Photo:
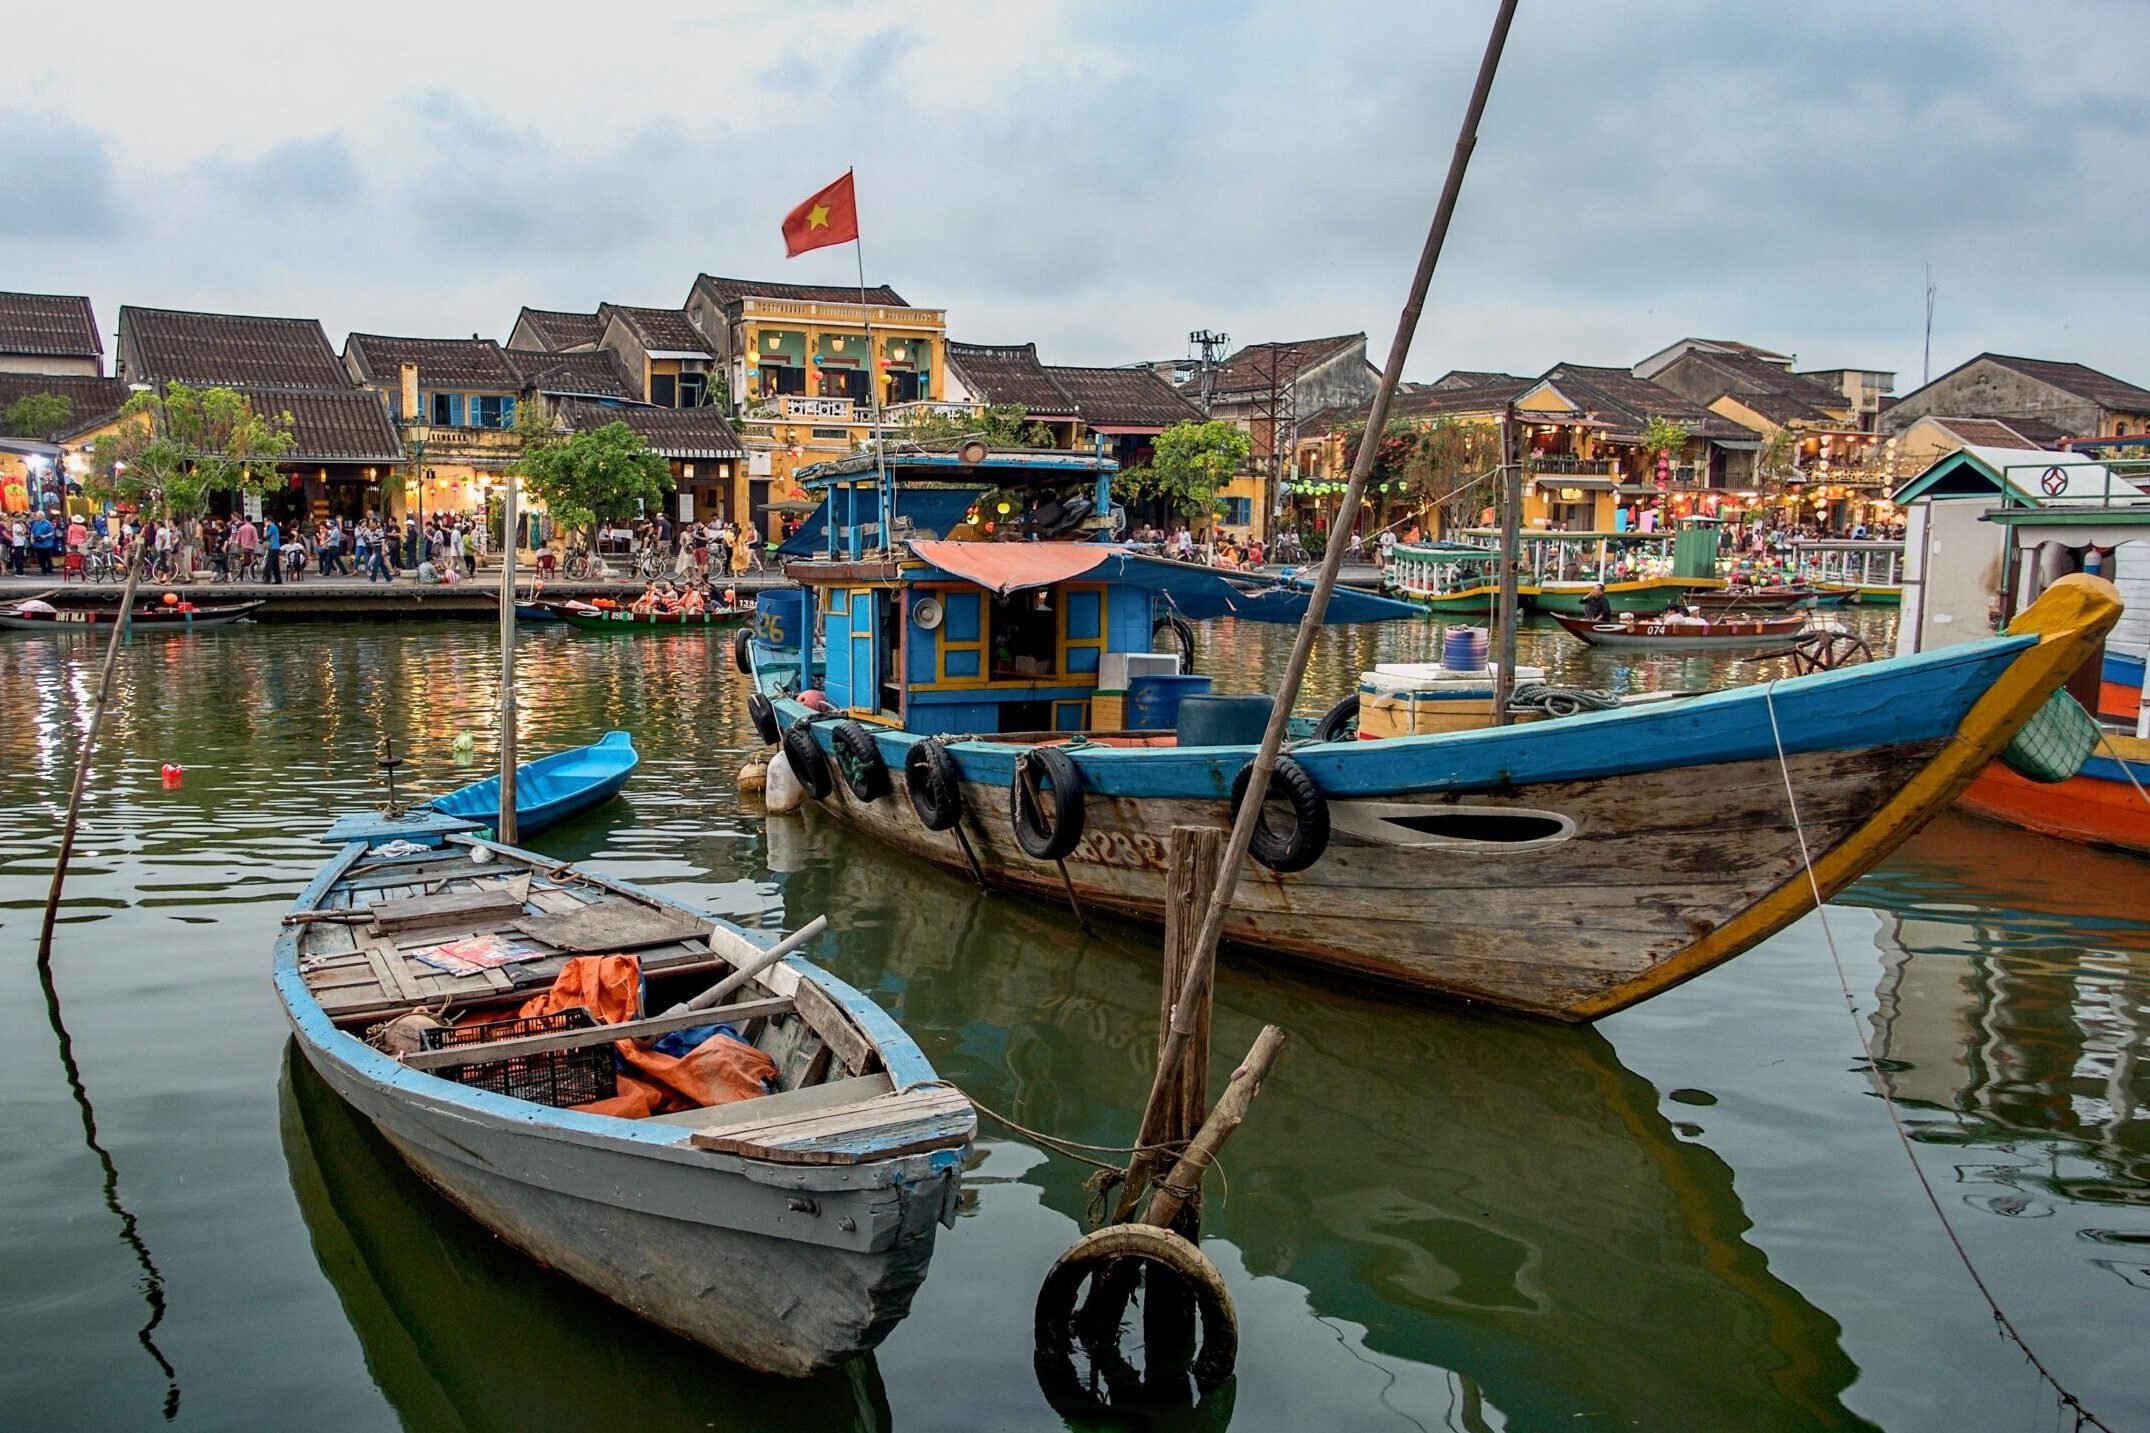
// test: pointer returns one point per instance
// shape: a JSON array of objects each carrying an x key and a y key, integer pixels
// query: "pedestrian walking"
[{"x": 272, "y": 550}]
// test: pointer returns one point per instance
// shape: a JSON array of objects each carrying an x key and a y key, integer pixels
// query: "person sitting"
[
  {"x": 646, "y": 604},
  {"x": 667, "y": 598},
  {"x": 1597, "y": 607},
  {"x": 692, "y": 604}
]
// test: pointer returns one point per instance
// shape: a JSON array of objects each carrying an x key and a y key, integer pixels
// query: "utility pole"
[{"x": 1926, "y": 364}]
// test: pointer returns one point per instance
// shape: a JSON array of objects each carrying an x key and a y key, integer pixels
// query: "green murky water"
[{"x": 1694, "y": 1216}]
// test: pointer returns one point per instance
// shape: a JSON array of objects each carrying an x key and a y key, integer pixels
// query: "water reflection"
[
  {"x": 461, "y": 1332},
  {"x": 2015, "y": 1001},
  {"x": 1495, "y": 1197}
]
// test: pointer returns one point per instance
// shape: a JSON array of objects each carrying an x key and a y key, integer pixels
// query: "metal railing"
[{"x": 798, "y": 405}]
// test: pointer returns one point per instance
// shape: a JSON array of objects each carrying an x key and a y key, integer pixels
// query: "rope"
[
  {"x": 1560, "y": 701},
  {"x": 2001, "y": 1320},
  {"x": 2105, "y": 739}
]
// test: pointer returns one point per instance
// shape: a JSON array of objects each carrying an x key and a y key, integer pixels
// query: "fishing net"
[{"x": 2053, "y": 745}]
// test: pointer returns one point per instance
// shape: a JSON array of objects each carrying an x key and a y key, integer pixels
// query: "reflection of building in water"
[{"x": 2020, "y": 1004}]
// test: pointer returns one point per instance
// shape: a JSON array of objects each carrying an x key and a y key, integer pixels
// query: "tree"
[
  {"x": 1001, "y": 425},
  {"x": 1447, "y": 465},
  {"x": 1188, "y": 464},
  {"x": 169, "y": 452},
  {"x": 1778, "y": 460},
  {"x": 1661, "y": 437},
  {"x": 43, "y": 416},
  {"x": 608, "y": 472}
]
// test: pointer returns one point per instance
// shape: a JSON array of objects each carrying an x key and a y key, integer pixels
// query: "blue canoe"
[{"x": 550, "y": 789}]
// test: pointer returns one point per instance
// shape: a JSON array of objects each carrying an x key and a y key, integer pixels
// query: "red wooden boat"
[
  {"x": 1687, "y": 635},
  {"x": 36, "y": 615},
  {"x": 1750, "y": 599}
]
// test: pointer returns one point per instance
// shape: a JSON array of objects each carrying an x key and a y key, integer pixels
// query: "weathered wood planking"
[
  {"x": 834, "y": 1026},
  {"x": 478, "y": 908},
  {"x": 914, "y": 1122}
]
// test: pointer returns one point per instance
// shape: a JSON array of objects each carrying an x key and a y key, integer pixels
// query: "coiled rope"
[
  {"x": 1560, "y": 701},
  {"x": 2083, "y": 1416}
]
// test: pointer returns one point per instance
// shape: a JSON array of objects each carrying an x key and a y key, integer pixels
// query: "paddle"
[{"x": 754, "y": 967}]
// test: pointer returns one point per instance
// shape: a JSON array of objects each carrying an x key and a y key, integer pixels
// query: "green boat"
[
  {"x": 1649, "y": 594},
  {"x": 625, "y": 621},
  {"x": 1447, "y": 577}
]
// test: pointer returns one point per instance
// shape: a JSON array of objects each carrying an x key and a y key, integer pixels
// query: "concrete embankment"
[{"x": 340, "y": 599}]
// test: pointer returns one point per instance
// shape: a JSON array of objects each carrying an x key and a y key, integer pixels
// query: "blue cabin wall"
[{"x": 836, "y": 643}]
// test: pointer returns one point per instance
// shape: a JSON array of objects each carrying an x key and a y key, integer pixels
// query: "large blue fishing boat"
[{"x": 971, "y": 670}]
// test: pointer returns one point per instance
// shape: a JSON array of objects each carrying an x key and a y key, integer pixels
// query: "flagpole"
[{"x": 873, "y": 382}]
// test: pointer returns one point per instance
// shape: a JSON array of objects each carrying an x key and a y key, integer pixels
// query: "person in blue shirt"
[
  {"x": 44, "y": 538},
  {"x": 272, "y": 545}
]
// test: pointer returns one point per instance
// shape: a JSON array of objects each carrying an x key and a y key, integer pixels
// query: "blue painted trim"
[
  {"x": 2108, "y": 768},
  {"x": 1907, "y": 699},
  {"x": 2122, "y": 669}
]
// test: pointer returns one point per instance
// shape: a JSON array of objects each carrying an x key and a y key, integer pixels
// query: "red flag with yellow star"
[{"x": 830, "y": 217}]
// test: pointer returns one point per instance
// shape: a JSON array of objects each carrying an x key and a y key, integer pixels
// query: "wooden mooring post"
[{"x": 1190, "y": 876}]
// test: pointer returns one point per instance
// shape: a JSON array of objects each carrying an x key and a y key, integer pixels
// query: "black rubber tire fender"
[
  {"x": 807, "y": 761},
  {"x": 1060, "y": 786},
  {"x": 1182, "y": 634},
  {"x": 762, "y": 712},
  {"x": 1055, "y": 1315},
  {"x": 858, "y": 761},
  {"x": 742, "y": 654},
  {"x": 1300, "y": 846},
  {"x": 936, "y": 788},
  {"x": 1340, "y": 722}
]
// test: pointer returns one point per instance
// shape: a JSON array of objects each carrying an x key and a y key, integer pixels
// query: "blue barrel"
[
  {"x": 1153, "y": 703},
  {"x": 1208, "y": 720},
  {"x": 1465, "y": 649},
  {"x": 780, "y": 617}
]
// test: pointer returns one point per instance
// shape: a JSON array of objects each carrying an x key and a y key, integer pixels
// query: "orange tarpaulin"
[
  {"x": 718, "y": 1071},
  {"x": 1006, "y": 567}
]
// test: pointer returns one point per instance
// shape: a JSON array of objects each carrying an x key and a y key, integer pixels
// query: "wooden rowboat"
[
  {"x": 34, "y": 616},
  {"x": 551, "y": 788},
  {"x": 1750, "y": 599},
  {"x": 1718, "y": 634},
  {"x": 625, "y": 621},
  {"x": 788, "y": 1232}
]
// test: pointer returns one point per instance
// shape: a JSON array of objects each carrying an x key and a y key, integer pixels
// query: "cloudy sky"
[{"x": 1104, "y": 177}]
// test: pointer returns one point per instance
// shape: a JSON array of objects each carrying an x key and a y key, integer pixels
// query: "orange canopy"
[{"x": 1006, "y": 567}]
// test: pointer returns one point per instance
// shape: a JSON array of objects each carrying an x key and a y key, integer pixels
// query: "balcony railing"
[
  {"x": 441, "y": 436},
  {"x": 1574, "y": 467},
  {"x": 813, "y": 311},
  {"x": 798, "y": 405},
  {"x": 897, "y": 413}
]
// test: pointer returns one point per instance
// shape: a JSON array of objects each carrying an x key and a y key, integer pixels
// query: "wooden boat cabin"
[{"x": 1001, "y": 606}]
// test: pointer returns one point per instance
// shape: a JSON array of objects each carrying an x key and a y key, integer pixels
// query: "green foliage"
[
  {"x": 1001, "y": 425},
  {"x": 1188, "y": 464},
  {"x": 1445, "y": 464},
  {"x": 608, "y": 472},
  {"x": 1778, "y": 454},
  {"x": 43, "y": 416},
  {"x": 1662, "y": 436},
  {"x": 169, "y": 451}
]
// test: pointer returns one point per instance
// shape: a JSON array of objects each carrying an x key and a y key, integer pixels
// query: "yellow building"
[{"x": 805, "y": 363}]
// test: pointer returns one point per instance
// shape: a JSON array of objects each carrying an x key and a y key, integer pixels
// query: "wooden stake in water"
[
  {"x": 505, "y": 827},
  {"x": 1511, "y": 541}
]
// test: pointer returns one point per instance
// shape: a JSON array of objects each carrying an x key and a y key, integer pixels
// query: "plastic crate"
[{"x": 559, "y": 1078}]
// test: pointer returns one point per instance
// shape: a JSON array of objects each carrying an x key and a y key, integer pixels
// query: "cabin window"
[
  {"x": 1026, "y": 635},
  {"x": 1484, "y": 824},
  {"x": 962, "y": 635}
]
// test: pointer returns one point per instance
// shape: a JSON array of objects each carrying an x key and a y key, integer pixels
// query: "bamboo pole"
[
  {"x": 89, "y": 747},
  {"x": 1177, "y": 1191},
  {"x": 1202, "y": 972},
  {"x": 505, "y": 828},
  {"x": 1511, "y": 540}
]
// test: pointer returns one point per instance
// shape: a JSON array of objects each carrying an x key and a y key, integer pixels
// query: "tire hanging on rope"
[
  {"x": 1299, "y": 845},
  {"x": 807, "y": 761},
  {"x": 742, "y": 650},
  {"x": 929, "y": 774},
  {"x": 1046, "y": 835},
  {"x": 1338, "y": 723},
  {"x": 858, "y": 759},
  {"x": 762, "y": 712}
]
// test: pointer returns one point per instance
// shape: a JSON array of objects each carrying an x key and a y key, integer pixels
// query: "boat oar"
[{"x": 716, "y": 993}]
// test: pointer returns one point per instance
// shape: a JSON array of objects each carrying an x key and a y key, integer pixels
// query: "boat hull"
[
  {"x": 152, "y": 619},
  {"x": 1565, "y": 869},
  {"x": 1567, "y": 598},
  {"x": 550, "y": 789},
  {"x": 674, "y": 622},
  {"x": 653, "y": 1236},
  {"x": 2098, "y": 806},
  {"x": 1722, "y": 634}
]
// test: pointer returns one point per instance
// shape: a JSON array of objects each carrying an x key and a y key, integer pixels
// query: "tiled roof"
[
  {"x": 1993, "y": 433},
  {"x": 94, "y": 399},
  {"x": 1259, "y": 366},
  {"x": 595, "y": 373},
  {"x": 2102, "y": 389},
  {"x": 1781, "y": 408},
  {"x": 658, "y": 330},
  {"x": 674, "y": 432},
  {"x": 1629, "y": 403},
  {"x": 1743, "y": 372},
  {"x": 331, "y": 426},
  {"x": 1123, "y": 397},
  {"x": 1010, "y": 373},
  {"x": 463, "y": 362},
  {"x": 1427, "y": 402},
  {"x": 729, "y": 291},
  {"x": 1460, "y": 378},
  {"x": 558, "y": 329},
  {"x": 49, "y": 326},
  {"x": 226, "y": 348}
]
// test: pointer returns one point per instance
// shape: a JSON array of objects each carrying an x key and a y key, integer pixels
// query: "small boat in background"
[
  {"x": 1751, "y": 599},
  {"x": 34, "y": 614},
  {"x": 551, "y": 788},
  {"x": 621, "y": 620},
  {"x": 1687, "y": 634},
  {"x": 771, "y": 1191}
]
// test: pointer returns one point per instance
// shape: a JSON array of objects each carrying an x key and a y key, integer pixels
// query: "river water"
[{"x": 1694, "y": 1215}]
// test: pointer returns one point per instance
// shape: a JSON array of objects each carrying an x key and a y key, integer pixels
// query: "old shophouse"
[
  {"x": 806, "y": 364},
  {"x": 2076, "y": 400},
  {"x": 1270, "y": 389},
  {"x": 708, "y": 462},
  {"x": 454, "y": 402},
  {"x": 49, "y": 344},
  {"x": 1116, "y": 411},
  {"x": 347, "y": 450}
]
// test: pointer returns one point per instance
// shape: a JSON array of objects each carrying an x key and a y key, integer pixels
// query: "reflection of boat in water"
[
  {"x": 461, "y": 1332},
  {"x": 2019, "y": 1006},
  {"x": 1487, "y": 1195}
]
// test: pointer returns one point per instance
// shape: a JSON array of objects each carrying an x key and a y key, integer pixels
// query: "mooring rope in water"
[{"x": 2083, "y": 1416}]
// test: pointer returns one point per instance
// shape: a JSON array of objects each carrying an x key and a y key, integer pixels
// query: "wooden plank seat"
[
  {"x": 783, "y": 1103},
  {"x": 916, "y": 1121}
]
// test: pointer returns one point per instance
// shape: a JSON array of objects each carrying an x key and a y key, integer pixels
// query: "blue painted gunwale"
[
  {"x": 2109, "y": 768},
  {"x": 2122, "y": 670},
  {"x": 543, "y": 797},
  {"x": 906, "y": 1064},
  {"x": 1908, "y": 699}
]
